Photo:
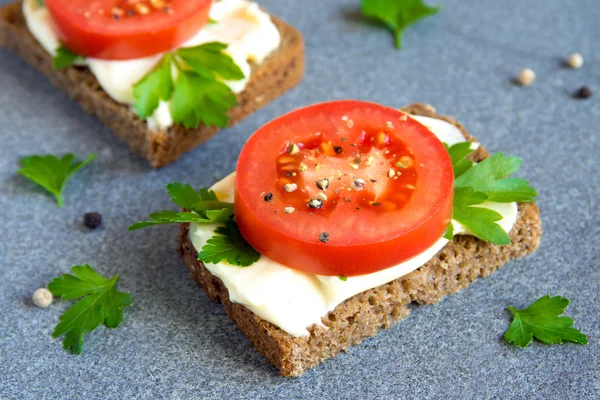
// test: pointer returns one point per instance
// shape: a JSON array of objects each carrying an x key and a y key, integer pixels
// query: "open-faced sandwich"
[
  {"x": 340, "y": 215},
  {"x": 163, "y": 75}
]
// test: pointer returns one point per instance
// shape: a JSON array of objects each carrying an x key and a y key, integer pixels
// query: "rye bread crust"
[
  {"x": 456, "y": 266},
  {"x": 281, "y": 71}
]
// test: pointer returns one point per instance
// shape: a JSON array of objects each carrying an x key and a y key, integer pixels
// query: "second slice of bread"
[
  {"x": 457, "y": 265},
  {"x": 280, "y": 71}
]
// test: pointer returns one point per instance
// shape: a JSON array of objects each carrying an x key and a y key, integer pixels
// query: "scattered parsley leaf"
[
  {"x": 64, "y": 58},
  {"x": 154, "y": 87},
  {"x": 204, "y": 208},
  {"x": 541, "y": 320},
  {"x": 52, "y": 173},
  {"x": 228, "y": 245},
  {"x": 197, "y": 99},
  {"x": 397, "y": 15},
  {"x": 198, "y": 95},
  {"x": 101, "y": 304},
  {"x": 474, "y": 184},
  {"x": 343, "y": 278}
]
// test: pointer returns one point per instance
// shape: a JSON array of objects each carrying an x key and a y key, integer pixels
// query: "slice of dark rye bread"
[
  {"x": 461, "y": 262},
  {"x": 280, "y": 71}
]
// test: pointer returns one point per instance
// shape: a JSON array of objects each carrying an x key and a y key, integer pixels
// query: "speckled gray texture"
[{"x": 175, "y": 343}]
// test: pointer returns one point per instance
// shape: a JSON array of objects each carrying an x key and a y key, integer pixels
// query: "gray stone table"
[{"x": 175, "y": 343}]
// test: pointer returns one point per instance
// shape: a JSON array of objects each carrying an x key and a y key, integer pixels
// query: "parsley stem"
[{"x": 208, "y": 205}]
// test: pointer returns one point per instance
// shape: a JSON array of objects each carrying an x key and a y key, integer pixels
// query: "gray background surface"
[{"x": 175, "y": 343}]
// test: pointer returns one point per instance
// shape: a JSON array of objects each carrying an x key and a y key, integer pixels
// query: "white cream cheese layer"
[
  {"x": 294, "y": 300},
  {"x": 242, "y": 25}
]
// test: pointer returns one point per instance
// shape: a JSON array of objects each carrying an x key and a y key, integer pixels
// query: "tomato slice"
[
  {"x": 343, "y": 188},
  {"x": 126, "y": 29}
]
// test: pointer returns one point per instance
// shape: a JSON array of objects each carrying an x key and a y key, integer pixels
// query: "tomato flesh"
[
  {"x": 126, "y": 29},
  {"x": 343, "y": 188}
]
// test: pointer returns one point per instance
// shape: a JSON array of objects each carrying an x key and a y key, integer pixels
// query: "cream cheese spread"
[
  {"x": 294, "y": 300},
  {"x": 247, "y": 30}
]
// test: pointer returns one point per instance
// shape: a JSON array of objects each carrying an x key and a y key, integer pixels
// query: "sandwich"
[
  {"x": 342, "y": 215},
  {"x": 162, "y": 75}
]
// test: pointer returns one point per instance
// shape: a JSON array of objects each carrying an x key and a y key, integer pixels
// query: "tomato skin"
[
  {"x": 361, "y": 240},
  {"x": 101, "y": 35}
]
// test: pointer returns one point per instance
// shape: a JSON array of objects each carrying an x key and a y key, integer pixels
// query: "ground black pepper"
[{"x": 268, "y": 197}]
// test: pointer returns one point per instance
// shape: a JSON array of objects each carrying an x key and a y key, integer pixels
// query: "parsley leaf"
[
  {"x": 101, "y": 304},
  {"x": 541, "y": 320},
  {"x": 474, "y": 184},
  {"x": 198, "y": 95},
  {"x": 204, "y": 208},
  {"x": 397, "y": 15},
  {"x": 174, "y": 217},
  {"x": 491, "y": 178},
  {"x": 458, "y": 154},
  {"x": 208, "y": 60},
  {"x": 64, "y": 58},
  {"x": 198, "y": 99},
  {"x": 228, "y": 245},
  {"x": 482, "y": 222},
  {"x": 154, "y": 87},
  {"x": 52, "y": 173}
]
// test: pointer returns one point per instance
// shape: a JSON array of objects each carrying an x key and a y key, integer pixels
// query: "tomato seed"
[{"x": 293, "y": 149}]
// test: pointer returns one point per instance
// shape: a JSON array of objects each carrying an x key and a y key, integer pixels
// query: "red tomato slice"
[
  {"x": 343, "y": 188},
  {"x": 126, "y": 29}
]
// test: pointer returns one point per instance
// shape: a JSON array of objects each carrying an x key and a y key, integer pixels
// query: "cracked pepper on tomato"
[
  {"x": 125, "y": 29},
  {"x": 343, "y": 188}
]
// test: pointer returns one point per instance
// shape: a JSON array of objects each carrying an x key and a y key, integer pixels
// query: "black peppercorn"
[
  {"x": 324, "y": 237},
  {"x": 584, "y": 93},
  {"x": 92, "y": 220}
]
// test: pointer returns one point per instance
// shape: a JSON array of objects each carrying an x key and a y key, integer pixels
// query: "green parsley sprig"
[
  {"x": 203, "y": 206},
  {"x": 227, "y": 244},
  {"x": 52, "y": 173},
  {"x": 65, "y": 57},
  {"x": 100, "y": 303},
  {"x": 198, "y": 94},
  {"x": 397, "y": 15},
  {"x": 542, "y": 320},
  {"x": 474, "y": 184}
]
